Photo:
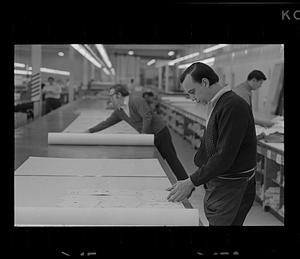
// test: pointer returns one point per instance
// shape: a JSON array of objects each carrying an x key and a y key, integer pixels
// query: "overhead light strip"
[
  {"x": 94, "y": 55},
  {"x": 22, "y": 72},
  {"x": 43, "y": 69},
  {"x": 86, "y": 54},
  {"x": 208, "y": 61},
  {"x": 152, "y": 61},
  {"x": 104, "y": 55},
  {"x": 218, "y": 46},
  {"x": 54, "y": 71},
  {"x": 19, "y": 65},
  {"x": 174, "y": 61}
]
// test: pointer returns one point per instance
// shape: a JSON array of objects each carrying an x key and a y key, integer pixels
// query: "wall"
[
  {"x": 234, "y": 70},
  {"x": 126, "y": 67}
]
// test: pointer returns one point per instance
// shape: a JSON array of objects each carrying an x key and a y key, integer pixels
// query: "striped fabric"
[{"x": 35, "y": 87}]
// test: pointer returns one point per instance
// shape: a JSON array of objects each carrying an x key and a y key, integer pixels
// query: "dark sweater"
[
  {"x": 229, "y": 142},
  {"x": 141, "y": 117}
]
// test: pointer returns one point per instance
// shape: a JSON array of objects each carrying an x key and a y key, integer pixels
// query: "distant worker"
[
  {"x": 52, "y": 95},
  {"x": 152, "y": 101},
  {"x": 254, "y": 81},
  {"x": 134, "y": 109}
]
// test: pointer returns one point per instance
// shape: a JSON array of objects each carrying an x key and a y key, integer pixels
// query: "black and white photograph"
[{"x": 186, "y": 137}]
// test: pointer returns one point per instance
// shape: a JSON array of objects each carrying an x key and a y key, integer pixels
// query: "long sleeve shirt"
[
  {"x": 229, "y": 142},
  {"x": 141, "y": 117},
  {"x": 244, "y": 91},
  {"x": 52, "y": 91}
]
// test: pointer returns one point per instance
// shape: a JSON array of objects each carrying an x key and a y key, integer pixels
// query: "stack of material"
[{"x": 68, "y": 191}]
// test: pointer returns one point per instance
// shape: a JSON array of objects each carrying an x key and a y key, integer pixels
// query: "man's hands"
[{"x": 180, "y": 190}]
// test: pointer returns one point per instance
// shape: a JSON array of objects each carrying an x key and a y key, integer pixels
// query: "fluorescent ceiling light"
[
  {"x": 208, "y": 61},
  {"x": 106, "y": 71},
  {"x": 171, "y": 53},
  {"x": 218, "y": 46},
  {"x": 94, "y": 55},
  {"x": 86, "y": 54},
  {"x": 19, "y": 65},
  {"x": 45, "y": 70},
  {"x": 61, "y": 54},
  {"x": 54, "y": 71},
  {"x": 22, "y": 72},
  {"x": 152, "y": 61},
  {"x": 113, "y": 71},
  {"x": 174, "y": 61},
  {"x": 104, "y": 55},
  {"x": 130, "y": 52}
]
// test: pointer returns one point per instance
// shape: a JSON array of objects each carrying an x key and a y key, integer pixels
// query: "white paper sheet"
[
  {"x": 100, "y": 139},
  {"x": 90, "y": 167},
  {"x": 55, "y": 191},
  {"x": 49, "y": 216}
]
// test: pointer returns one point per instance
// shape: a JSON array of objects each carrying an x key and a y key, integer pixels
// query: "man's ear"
[{"x": 205, "y": 82}]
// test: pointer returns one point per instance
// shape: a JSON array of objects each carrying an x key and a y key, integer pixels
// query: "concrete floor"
[{"x": 256, "y": 217}]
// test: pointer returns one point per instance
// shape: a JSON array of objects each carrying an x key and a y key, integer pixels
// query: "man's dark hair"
[
  {"x": 51, "y": 78},
  {"x": 122, "y": 89},
  {"x": 148, "y": 93},
  {"x": 258, "y": 75},
  {"x": 198, "y": 71}
]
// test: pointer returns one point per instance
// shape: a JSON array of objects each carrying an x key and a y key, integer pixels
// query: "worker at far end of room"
[
  {"x": 254, "y": 81},
  {"x": 52, "y": 95},
  {"x": 226, "y": 158},
  {"x": 152, "y": 101},
  {"x": 134, "y": 109}
]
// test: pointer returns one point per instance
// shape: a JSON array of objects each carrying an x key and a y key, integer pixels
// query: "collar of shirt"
[
  {"x": 126, "y": 100},
  {"x": 213, "y": 101},
  {"x": 125, "y": 106}
]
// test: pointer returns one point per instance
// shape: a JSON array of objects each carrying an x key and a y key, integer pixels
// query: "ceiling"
[{"x": 146, "y": 51}]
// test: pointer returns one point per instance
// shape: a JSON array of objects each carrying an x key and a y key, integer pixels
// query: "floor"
[{"x": 256, "y": 216}]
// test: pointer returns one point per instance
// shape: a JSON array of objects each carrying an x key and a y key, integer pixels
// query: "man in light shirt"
[
  {"x": 52, "y": 95},
  {"x": 253, "y": 82},
  {"x": 226, "y": 158}
]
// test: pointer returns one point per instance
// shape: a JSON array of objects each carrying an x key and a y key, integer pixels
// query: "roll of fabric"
[{"x": 100, "y": 139}]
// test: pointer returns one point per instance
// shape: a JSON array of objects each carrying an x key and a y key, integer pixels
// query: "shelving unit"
[{"x": 270, "y": 160}]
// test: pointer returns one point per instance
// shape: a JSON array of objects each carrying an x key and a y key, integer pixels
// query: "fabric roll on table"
[{"x": 100, "y": 139}]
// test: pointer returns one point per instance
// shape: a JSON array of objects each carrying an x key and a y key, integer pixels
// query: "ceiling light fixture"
[
  {"x": 19, "y": 65},
  {"x": 218, "y": 46},
  {"x": 86, "y": 54},
  {"x": 208, "y": 61},
  {"x": 130, "y": 52},
  {"x": 171, "y": 53},
  {"x": 22, "y": 72},
  {"x": 152, "y": 61},
  {"x": 174, "y": 61},
  {"x": 104, "y": 55}
]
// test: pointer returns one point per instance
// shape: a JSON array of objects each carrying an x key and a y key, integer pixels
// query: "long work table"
[{"x": 31, "y": 140}]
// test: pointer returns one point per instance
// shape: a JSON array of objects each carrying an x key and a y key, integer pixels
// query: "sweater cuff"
[{"x": 194, "y": 177}]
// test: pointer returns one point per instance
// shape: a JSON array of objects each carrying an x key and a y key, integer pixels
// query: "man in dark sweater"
[
  {"x": 226, "y": 159},
  {"x": 135, "y": 110}
]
